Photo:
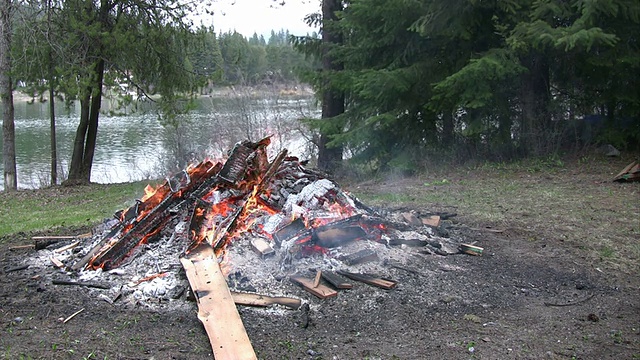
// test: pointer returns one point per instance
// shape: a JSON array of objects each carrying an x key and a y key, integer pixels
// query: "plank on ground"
[{"x": 216, "y": 308}]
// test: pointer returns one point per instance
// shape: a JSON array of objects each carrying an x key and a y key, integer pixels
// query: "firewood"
[
  {"x": 264, "y": 300},
  {"x": 360, "y": 257},
  {"x": 262, "y": 247},
  {"x": 321, "y": 291},
  {"x": 433, "y": 221},
  {"x": 16, "y": 268},
  {"x": 370, "y": 280},
  {"x": 82, "y": 283},
  {"x": 20, "y": 247},
  {"x": 408, "y": 242},
  {"x": 67, "y": 247},
  {"x": 56, "y": 262},
  {"x": 471, "y": 249},
  {"x": 216, "y": 308},
  {"x": 336, "y": 281}
]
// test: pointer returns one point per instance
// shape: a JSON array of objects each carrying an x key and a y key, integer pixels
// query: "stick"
[
  {"x": 82, "y": 283},
  {"x": 56, "y": 262},
  {"x": 16, "y": 268},
  {"x": 65, "y": 248},
  {"x": 72, "y": 316},
  {"x": 19, "y": 247},
  {"x": 148, "y": 278},
  {"x": 263, "y": 300}
]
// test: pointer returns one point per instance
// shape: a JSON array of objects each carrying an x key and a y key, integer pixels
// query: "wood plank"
[
  {"x": 321, "y": 291},
  {"x": 316, "y": 281},
  {"x": 360, "y": 257},
  {"x": 370, "y": 280},
  {"x": 471, "y": 249},
  {"x": 67, "y": 247},
  {"x": 433, "y": 221},
  {"x": 335, "y": 280},
  {"x": 264, "y": 300},
  {"x": 216, "y": 308}
]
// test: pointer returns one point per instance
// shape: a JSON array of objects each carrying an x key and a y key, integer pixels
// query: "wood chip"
[{"x": 56, "y": 262}]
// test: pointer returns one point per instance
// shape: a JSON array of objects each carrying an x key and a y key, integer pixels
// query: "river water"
[{"x": 136, "y": 145}]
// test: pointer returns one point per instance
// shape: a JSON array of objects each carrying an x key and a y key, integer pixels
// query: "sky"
[{"x": 262, "y": 16}]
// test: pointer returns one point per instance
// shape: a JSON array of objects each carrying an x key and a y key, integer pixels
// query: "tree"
[
  {"x": 330, "y": 157},
  {"x": 6, "y": 96},
  {"x": 137, "y": 42}
]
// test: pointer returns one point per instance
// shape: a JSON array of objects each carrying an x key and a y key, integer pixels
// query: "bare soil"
[{"x": 540, "y": 290}]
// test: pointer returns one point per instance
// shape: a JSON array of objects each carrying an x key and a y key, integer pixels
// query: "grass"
[
  {"x": 568, "y": 200},
  {"x": 57, "y": 207}
]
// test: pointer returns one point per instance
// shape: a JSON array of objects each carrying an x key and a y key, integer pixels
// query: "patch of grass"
[
  {"x": 36, "y": 210},
  {"x": 551, "y": 200}
]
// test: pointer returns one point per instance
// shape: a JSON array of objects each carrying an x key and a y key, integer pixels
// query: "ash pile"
[{"x": 276, "y": 227}]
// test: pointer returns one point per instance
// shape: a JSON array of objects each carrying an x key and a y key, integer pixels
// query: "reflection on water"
[{"x": 137, "y": 146}]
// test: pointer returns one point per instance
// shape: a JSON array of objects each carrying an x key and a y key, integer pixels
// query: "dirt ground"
[{"x": 523, "y": 299}]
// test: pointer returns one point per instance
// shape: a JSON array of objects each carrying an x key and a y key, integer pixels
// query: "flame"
[{"x": 148, "y": 192}]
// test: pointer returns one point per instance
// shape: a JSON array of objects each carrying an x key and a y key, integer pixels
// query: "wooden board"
[
  {"x": 371, "y": 280},
  {"x": 433, "y": 220},
  {"x": 263, "y": 300},
  {"x": 320, "y": 291},
  {"x": 216, "y": 308},
  {"x": 336, "y": 281}
]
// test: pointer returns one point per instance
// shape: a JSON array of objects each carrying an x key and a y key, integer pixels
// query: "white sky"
[{"x": 262, "y": 16}]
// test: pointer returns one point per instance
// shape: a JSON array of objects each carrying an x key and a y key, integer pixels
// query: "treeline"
[
  {"x": 229, "y": 58},
  {"x": 488, "y": 79}
]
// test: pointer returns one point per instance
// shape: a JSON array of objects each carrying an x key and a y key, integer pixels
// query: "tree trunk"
[
  {"x": 84, "y": 145},
  {"x": 6, "y": 95},
  {"x": 52, "y": 106},
  {"x": 75, "y": 168},
  {"x": 330, "y": 157},
  {"x": 534, "y": 92},
  {"x": 54, "y": 150},
  {"x": 92, "y": 130},
  {"x": 447, "y": 128}
]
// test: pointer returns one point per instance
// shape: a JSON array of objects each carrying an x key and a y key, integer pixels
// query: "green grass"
[
  {"x": 45, "y": 209},
  {"x": 572, "y": 201}
]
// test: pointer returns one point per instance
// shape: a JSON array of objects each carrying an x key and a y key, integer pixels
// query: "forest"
[
  {"x": 401, "y": 82},
  {"x": 493, "y": 80}
]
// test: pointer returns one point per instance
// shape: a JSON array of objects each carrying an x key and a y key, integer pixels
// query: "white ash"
[{"x": 246, "y": 270}]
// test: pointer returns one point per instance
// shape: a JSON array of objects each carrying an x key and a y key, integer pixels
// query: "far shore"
[{"x": 264, "y": 90}]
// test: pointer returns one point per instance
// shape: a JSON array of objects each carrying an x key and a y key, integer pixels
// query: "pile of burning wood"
[{"x": 279, "y": 209}]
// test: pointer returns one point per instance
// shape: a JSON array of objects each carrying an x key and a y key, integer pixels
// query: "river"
[{"x": 135, "y": 145}]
